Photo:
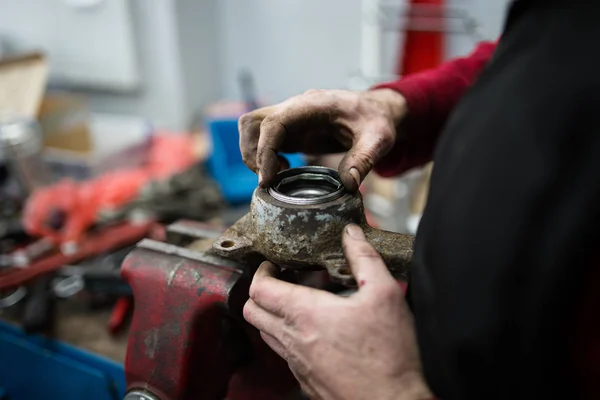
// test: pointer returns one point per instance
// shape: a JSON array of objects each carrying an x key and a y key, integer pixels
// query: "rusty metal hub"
[{"x": 297, "y": 223}]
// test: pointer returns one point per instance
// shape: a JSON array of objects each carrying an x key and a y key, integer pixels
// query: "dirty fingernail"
[
  {"x": 355, "y": 232},
  {"x": 268, "y": 268},
  {"x": 355, "y": 175}
]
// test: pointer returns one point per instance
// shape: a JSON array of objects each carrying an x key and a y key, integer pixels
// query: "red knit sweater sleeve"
[{"x": 431, "y": 96}]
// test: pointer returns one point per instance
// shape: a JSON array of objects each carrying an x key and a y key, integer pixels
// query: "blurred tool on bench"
[{"x": 56, "y": 233}]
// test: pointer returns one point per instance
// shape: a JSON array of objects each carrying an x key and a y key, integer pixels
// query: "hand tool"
[
  {"x": 12, "y": 296},
  {"x": 100, "y": 274},
  {"x": 94, "y": 243},
  {"x": 38, "y": 310}
]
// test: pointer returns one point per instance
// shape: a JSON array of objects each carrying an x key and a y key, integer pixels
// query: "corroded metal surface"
[
  {"x": 305, "y": 237},
  {"x": 188, "y": 339}
]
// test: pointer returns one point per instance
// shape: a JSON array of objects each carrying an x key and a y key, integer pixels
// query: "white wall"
[
  {"x": 289, "y": 45},
  {"x": 199, "y": 44},
  {"x": 87, "y": 45},
  {"x": 160, "y": 97},
  {"x": 490, "y": 15},
  {"x": 295, "y": 45},
  {"x": 191, "y": 51},
  {"x": 175, "y": 40},
  {"x": 178, "y": 49},
  {"x": 178, "y": 46}
]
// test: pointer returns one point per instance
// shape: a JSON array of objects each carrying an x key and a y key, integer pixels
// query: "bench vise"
[{"x": 188, "y": 339}]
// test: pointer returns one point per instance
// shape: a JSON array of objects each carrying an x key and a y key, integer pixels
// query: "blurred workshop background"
[{"x": 118, "y": 117}]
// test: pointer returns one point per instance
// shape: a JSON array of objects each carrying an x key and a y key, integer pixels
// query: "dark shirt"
[
  {"x": 505, "y": 283},
  {"x": 506, "y": 248}
]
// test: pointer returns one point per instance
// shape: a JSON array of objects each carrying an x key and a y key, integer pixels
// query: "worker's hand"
[
  {"x": 322, "y": 122},
  {"x": 352, "y": 348}
]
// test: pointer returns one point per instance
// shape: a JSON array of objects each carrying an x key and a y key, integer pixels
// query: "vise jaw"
[{"x": 188, "y": 339}]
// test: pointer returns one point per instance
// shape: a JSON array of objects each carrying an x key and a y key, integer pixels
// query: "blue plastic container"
[
  {"x": 225, "y": 164},
  {"x": 34, "y": 367}
]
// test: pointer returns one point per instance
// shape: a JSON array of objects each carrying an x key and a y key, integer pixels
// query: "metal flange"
[{"x": 298, "y": 222}]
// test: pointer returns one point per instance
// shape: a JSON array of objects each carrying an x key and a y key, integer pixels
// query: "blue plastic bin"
[
  {"x": 225, "y": 164},
  {"x": 34, "y": 367}
]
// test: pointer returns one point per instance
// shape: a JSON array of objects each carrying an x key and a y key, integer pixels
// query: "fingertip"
[
  {"x": 349, "y": 172},
  {"x": 244, "y": 121},
  {"x": 355, "y": 176},
  {"x": 349, "y": 182},
  {"x": 264, "y": 175},
  {"x": 268, "y": 167},
  {"x": 355, "y": 232},
  {"x": 267, "y": 268},
  {"x": 248, "y": 309},
  {"x": 363, "y": 259},
  {"x": 262, "y": 181}
]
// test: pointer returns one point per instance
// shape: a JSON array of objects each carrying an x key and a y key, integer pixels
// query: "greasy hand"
[
  {"x": 321, "y": 122},
  {"x": 347, "y": 348}
]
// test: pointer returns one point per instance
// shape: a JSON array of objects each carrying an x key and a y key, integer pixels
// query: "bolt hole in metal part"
[
  {"x": 227, "y": 244},
  {"x": 307, "y": 186}
]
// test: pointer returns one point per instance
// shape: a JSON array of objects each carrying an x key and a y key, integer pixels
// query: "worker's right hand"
[
  {"x": 357, "y": 347},
  {"x": 322, "y": 122}
]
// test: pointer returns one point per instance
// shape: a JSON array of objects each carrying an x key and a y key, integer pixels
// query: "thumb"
[
  {"x": 366, "y": 264},
  {"x": 368, "y": 148}
]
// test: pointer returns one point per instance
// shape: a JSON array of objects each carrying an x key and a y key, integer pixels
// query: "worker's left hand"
[{"x": 357, "y": 347}]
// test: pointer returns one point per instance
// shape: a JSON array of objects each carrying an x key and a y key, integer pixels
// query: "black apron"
[{"x": 513, "y": 213}]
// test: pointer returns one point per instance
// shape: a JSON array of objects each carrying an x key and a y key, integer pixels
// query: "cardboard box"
[
  {"x": 77, "y": 143},
  {"x": 65, "y": 119},
  {"x": 22, "y": 85},
  {"x": 81, "y": 148}
]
